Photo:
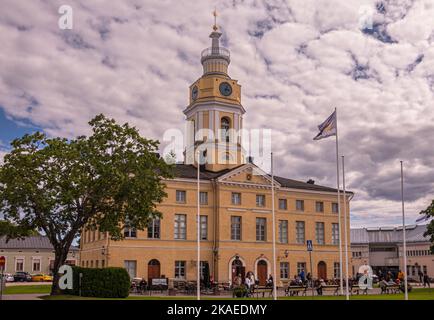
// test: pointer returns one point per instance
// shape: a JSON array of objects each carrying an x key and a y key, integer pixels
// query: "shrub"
[
  {"x": 239, "y": 291},
  {"x": 101, "y": 283}
]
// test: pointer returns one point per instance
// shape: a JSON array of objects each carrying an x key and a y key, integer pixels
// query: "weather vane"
[{"x": 215, "y": 19}]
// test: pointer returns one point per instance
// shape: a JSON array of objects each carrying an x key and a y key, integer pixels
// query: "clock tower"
[{"x": 215, "y": 113}]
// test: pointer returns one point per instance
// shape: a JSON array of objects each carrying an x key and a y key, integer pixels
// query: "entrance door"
[
  {"x": 322, "y": 270},
  {"x": 262, "y": 272},
  {"x": 153, "y": 270}
]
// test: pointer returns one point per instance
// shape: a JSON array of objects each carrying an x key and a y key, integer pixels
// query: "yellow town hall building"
[{"x": 235, "y": 205}]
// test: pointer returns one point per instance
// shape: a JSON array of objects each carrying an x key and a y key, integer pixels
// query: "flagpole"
[
  {"x": 339, "y": 205},
  {"x": 345, "y": 230},
  {"x": 198, "y": 228},
  {"x": 403, "y": 234},
  {"x": 274, "y": 231}
]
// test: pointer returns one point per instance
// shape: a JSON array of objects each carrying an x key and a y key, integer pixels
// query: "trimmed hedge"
[{"x": 101, "y": 283}]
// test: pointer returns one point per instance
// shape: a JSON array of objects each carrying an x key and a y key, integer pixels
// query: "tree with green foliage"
[
  {"x": 59, "y": 186},
  {"x": 11, "y": 231},
  {"x": 429, "y": 212}
]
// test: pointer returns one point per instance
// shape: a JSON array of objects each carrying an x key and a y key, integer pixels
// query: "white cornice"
[{"x": 214, "y": 106}]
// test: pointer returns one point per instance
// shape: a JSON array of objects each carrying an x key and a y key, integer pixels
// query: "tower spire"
[{"x": 215, "y": 27}]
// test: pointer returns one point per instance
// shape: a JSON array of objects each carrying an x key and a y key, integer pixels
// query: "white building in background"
[
  {"x": 381, "y": 248},
  {"x": 33, "y": 255}
]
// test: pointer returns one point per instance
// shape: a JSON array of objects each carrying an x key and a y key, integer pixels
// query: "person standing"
[
  {"x": 302, "y": 276},
  {"x": 426, "y": 280},
  {"x": 420, "y": 273}
]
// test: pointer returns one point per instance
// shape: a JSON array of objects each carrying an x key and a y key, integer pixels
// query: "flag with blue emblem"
[
  {"x": 327, "y": 128},
  {"x": 423, "y": 218}
]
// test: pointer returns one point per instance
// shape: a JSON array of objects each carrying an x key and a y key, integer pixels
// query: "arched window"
[{"x": 225, "y": 125}]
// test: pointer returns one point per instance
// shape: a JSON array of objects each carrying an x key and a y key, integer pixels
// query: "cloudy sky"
[{"x": 296, "y": 60}]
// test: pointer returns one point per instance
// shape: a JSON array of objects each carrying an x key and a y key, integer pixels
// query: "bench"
[
  {"x": 390, "y": 288},
  {"x": 332, "y": 288},
  {"x": 295, "y": 290},
  {"x": 257, "y": 290},
  {"x": 357, "y": 289}
]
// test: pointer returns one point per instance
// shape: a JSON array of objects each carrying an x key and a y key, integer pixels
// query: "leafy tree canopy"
[
  {"x": 429, "y": 212},
  {"x": 106, "y": 180}
]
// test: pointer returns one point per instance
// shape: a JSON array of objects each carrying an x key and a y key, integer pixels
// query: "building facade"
[
  {"x": 32, "y": 254},
  {"x": 382, "y": 248},
  {"x": 235, "y": 204}
]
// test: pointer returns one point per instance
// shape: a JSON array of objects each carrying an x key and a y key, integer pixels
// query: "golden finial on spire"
[{"x": 215, "y": 19}]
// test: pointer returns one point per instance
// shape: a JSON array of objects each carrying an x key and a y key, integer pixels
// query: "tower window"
[{"x": 225, "y": 125}]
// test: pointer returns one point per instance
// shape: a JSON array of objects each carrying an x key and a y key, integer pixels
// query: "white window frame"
[
  {"x": 16, "y": 262},
  {"x": 178, "y": 199},
  {"x": 33, "y": 264}
]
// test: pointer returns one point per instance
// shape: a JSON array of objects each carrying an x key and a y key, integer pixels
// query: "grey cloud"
[{"x": 295, "y": 60}]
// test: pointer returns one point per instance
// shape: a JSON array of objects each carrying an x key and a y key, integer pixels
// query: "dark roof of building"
[
  {"x": 33, "y": 242},
  {"x": 190, "y": 172},
  {"x": 413, "y": 233},
  {"x": 294, "y": 184}
]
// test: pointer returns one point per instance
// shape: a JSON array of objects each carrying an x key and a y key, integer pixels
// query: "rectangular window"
[
  {"x": 319, "y": 232},
  {"x": 203, "y": 227},
  {"x": 260, "y": 200},
  {"x": 91, "y": 263},
  {"x": 283, "y": 204},
  {"x": 319, "y": 206},
  {"x": 154, "y": 229},
  {"x": 299, "y": 231},
  {"x": 36, "y": 265},
  {"x": 96, "y": 263},
  {"x": 131, "y": 267},
  {"x": 335, "y": 233},
  {"x": 180, "y": 196},
  {"x": 130, "y": 232},
  {"x": 299, "y": 205},
  {"x": 336, "y": 270},
  {"x": 19, "y": 265},
  {"x": 102, "y": 263},
  {"x": 335, "y": 208},
  {"x": 235, "y": 228},
  {"x": 261, "y": 224},
  {"x": 180, "y": 269},
  {"x": 236, "y": 198},
  {"x": 301, "y": 266},
  {"x": 283, "y": 231},
  {"x": 203, "y": 198},
  {"x": 180, "y": 226},
  {"x": 284, "y": 270}
]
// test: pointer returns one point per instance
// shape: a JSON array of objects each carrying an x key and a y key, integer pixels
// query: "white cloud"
[{"x": 295, "y": 60}]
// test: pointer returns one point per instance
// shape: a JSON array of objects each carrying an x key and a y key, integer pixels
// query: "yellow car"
[{"x": 41, "y": 278}]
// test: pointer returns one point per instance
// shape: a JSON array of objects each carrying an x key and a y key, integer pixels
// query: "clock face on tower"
[
  {"x": 194, "y": 93},
  {"x": 225, "y": 89}
]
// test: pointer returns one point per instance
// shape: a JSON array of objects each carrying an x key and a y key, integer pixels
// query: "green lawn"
[
  {"x": 418, "y": 294},
  {"x": 40, "y": 288}
]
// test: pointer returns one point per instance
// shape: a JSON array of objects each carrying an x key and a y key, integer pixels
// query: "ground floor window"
[
  {"x": 284, "y": 270},
  {"x": 19, "y": 265},
  {"x": 337, "y": 270},
  {"x": 131, "y": 267},
  {"x": 36, "y": 265},
  {"x": 180, "y": 269},
  {"x": 301, "y": 266},
  {"x": 102, "y": 263}
]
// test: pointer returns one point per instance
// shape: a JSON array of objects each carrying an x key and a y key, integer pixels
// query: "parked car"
[
  {"x": 41, "y": 277},
  {"x": 22, "y": 276},
  {"x": 8, "y": 277}
]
